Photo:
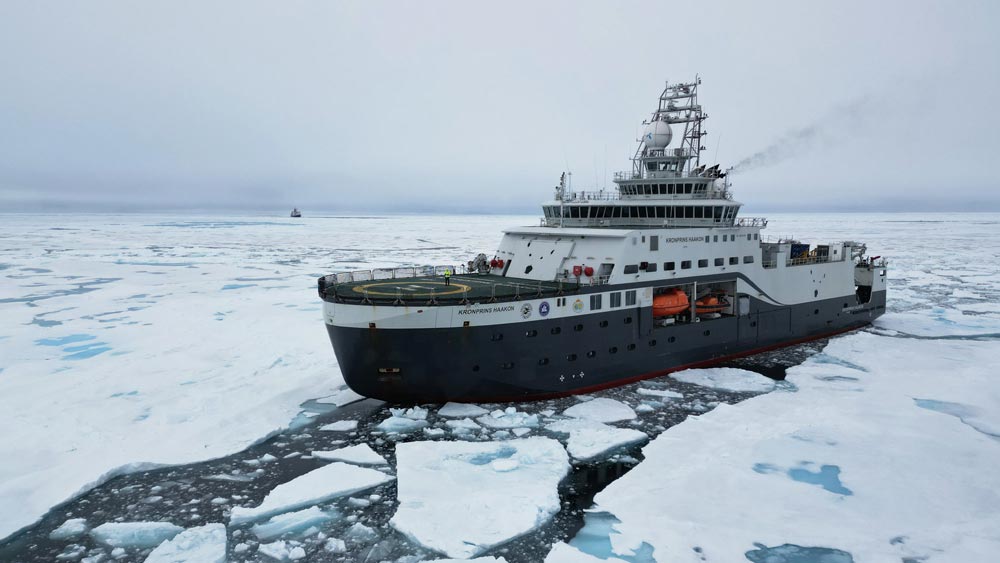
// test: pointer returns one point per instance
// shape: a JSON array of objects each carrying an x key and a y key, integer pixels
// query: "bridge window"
[
  {"x": 631, "y": 269},
  {"x": 748, "y": 259},
  {"x": 668, "y": 266}
]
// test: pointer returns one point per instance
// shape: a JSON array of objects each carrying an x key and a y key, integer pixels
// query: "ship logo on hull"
[
  {"x": 543, "y": 308},
  {"x": 578, "y": 306},
  {"x": 525, "y": 310}
]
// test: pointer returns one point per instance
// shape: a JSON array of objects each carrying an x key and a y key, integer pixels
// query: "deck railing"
[{"x": 391, "y": 273}]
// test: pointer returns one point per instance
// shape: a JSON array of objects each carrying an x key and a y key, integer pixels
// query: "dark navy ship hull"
[{"x": 547, "y": 358}]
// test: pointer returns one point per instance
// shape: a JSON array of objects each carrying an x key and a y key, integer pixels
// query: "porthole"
[
  {"x": 543, "y": 362},
  {"x": 531, "y": 333},
  {"x": 815, "y": 293},
  {"x": 613, "y": 350},
  {"x": 652, "y": 342},
  {"x": 707, "y": 332},
  {"x": 628, "y": 320},
  {"x": 528, "y": 269},
  {"x": 507, "y": 365},
  {"x": 604, "y": 324},
  {"x": 591, "y": 354},
  {"x": 497, "y": 336},
  {"x": 753, "y": 323},
  {"x": 672, "y": 339},
  {"x": 578, "y": 328},
  {"x": 555, "y": 330},
  {"x": 475, "y": 368},
  {"x": 815, "y": 311},
  {"x": 571, "y": 357},
  {"x": 630, "y": 347}
]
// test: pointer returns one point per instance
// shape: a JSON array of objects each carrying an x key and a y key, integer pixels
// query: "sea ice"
[
  {"x": 461, "y": 410},
  {"x": 453, "y": 500},
  {"x": 726, "y": 379},
  {"x": 589, "y": 439},
  {"x": 413, "y": 413},
  {"x": 851, "y": 449},
  {"x": 328, "y": 482},
  {"x": 340, "y": 398},
  {"x": 69, "y": 529},
  {"x": 564, "y": 553},
  {"x": 282, "y": 550},
  {"x": 462, "y": 425},
  {"x": 340, "y": 426},
  {"x": 476, "y": 560},
  {"x": 663, "y": 393},
  {"x": 508, "y": 418},
  {"x": 134, "y": 534},
  {"x": 291, "y": 522},
  {"x": 601, "y": 410},
  {"x": 359, "y": 454},
  {"x": 400, "y": 425},
  {"x": 204, "y": 544}
]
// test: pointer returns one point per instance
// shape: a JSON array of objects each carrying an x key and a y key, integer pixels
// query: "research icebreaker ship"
[{"x": 611, "y": 287}]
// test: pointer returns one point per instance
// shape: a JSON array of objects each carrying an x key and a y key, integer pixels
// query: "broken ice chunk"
[
  {"x": 601, "y": 410},
  {"x": 400, "y": 424},
  {"x": 204, "y": 544},
  {"x": 726, "y": 379},
  {"x": 509, "y": 418},
  {"x": 319, "y": 485},
  {"x": 589, "y": 439},
  {"x": 134, "y": 534},
  {"x": 359, "y": 454},
  {"x": 69, "y": 529},
  {"x": 340, "y": 426},
  {"x": 293, "y": 522},
  {"x": 665, "y": 393},
  {"x": 462, "y": 498},
  {"x": 461, "y": 410}
]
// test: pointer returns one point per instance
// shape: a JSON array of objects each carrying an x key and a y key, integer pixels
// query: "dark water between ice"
[{"x": 202, "y": 493}]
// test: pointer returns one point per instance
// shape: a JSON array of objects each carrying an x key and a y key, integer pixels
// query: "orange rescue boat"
[
  {"x": 710, "y": 304},
  {"x": 671, "y": 303}
]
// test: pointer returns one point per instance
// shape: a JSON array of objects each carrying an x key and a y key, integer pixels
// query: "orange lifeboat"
[
  {"x": 671, "y": 303},
  {"x": 710, "y": 304}
]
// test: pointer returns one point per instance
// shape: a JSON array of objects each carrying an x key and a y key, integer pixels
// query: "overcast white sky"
[{"x": 449, "y": 106}]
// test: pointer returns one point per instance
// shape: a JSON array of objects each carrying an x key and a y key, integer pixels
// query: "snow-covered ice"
[
  {"x": 662, "y": 393},
  {"x": 589, "y": 439},
  {"x": 858, "y": 463},
  {"x": 461, "y": 410},
  {"x": 359, "y": 454},
  {"x": 453, "y": 500},
  {"x": 343, "y": 397},
  {"x": 328, "y": 482},
  {"x": 204, "y": 544},
  {"x": 291, "y": 522},
  {"x": 340, "y": 426},
  {"x": 69, "y": 529},
  {"x": 134, "y": 534},
  {"x": 400, "y": 425},
  {"x": 726, "y": 379},
  {"x": 508, "y": 418},
  {"x": 564, "y": 553},
  {"x": 463, "y": 425},
  {"x": 601, "y": 409},
  {"x": 282, "y": 550}
]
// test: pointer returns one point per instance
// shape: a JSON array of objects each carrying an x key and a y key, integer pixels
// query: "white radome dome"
[{"x": 657, "y": 135}]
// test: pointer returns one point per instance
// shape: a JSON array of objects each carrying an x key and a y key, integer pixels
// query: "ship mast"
[{"x": 678, "y": 105}]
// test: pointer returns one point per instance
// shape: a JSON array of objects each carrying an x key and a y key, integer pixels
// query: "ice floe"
[
  {"x": 589, "y": 439},
  {"x": 328, "y": 482},
  {"x": 282, "y": 550},
  {"x": 662, "y": 393},
  {"x": 508, "y": 418},
  {"x": 726, "y": 379},
  {"x": 291, "y": 522},
  {"x": 400, "y": 425},
  {"x": 134, "y": 534},
  {"x": 204, "y": 544},
  {"x": 601, "y": 409},
  {"x": 860, "y": 461},
  {"x": 340, "y": 426},
  {"x": 454, "y": 500},
  {"x": 69, "y": 529},
  {"x": 359, "y": 454},
  {"x": 461, "y": 410},
  {"x": 564, "y": 553},
  {"x": 340, "y": 398}
]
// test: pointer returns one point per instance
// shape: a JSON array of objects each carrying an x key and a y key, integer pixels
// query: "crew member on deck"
[{"x": 447, "y": 276}]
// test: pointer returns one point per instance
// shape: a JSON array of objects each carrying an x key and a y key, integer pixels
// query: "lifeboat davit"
[
  {"x": 671, "y": 303},
  {"x": 710, "y": 304}
]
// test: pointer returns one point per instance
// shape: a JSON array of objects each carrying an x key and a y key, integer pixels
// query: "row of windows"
[
  {"x": 716, "y": 212},
  {"x": 663, "y": 189},
  {"x": 650, "y": 267},
  {"x": 593, "y": 353}
]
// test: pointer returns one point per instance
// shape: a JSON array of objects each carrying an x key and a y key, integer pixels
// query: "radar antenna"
[{"x": 678, "y": 105}]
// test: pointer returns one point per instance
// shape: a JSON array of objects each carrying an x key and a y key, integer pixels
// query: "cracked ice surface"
[
  {"x": 116, "y": 331},
  {"x": 854, "y": 459},
  {"x": 204, "y": 544},
  {"x": 461, "y": 498},
  {"x": 726, "y": 379},
  {"x": 328, "y": 482}
]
